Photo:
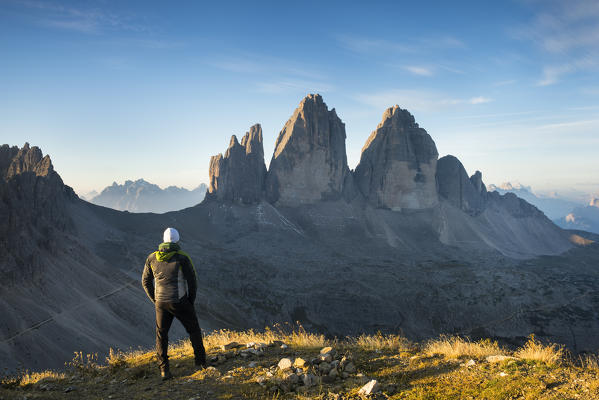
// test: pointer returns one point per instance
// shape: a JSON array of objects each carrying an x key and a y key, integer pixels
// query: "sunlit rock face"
[
  {"x": 468, "y": 194},
  {"x": 398, "y": 164},
  {"x": 239, "y": 175},
  {"x": 309, "y": 162}
]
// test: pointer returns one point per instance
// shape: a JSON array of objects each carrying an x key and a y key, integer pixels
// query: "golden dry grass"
[
  {"x": 534, "y": 350},
  {"x": 456, "y": 347},
  {"x": 382, "y": 342},
  {"x": 290, "y": 335},
  {"x": 589, "y": 361}
]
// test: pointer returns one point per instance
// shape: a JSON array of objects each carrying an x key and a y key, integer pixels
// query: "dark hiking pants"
[{"x": 184, "y": 312}]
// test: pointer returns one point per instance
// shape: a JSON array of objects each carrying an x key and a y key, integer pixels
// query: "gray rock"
[
  {"x": 324, "y": 367},
  {"x": 309, "y": 162},
  {"x": 285, "y": 363},
  {"x": 370, "y": 388},
  {"x": 309, "y": 380},
  {"x": 398, "y": 164},
  {"x": 239, "y": 175},
  {"x": 468, "y": 194}
]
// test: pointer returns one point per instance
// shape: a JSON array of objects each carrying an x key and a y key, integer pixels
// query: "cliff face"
[
  {"x": 239, "y": 175},
  {"x": 309, "y": 162},
  {"x": 32, "y": 207},
  {"x": 468, "y": 194},
  {"x": 398, "y": 164}
]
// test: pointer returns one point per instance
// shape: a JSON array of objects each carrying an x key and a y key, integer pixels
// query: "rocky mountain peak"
[
  {"x": 239, "y": 175},
  {"x": 15, "y": 161},
  {"x": 594, "y": 202},
  {"x": 468, "y": 194},
  {"x": 309, "y": 162},
  {"x": 398, "y": 164}
]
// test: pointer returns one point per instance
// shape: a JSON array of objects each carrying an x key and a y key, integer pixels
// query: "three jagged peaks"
[{"x": 396, "y": 170}]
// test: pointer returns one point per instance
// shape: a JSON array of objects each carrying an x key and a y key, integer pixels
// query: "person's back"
[{"x": 170, "y": 282}]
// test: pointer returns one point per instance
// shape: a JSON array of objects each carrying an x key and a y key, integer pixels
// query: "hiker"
[{"x": 169, "y": 280}]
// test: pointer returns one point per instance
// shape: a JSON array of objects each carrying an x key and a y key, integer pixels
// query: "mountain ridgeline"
[
  {"x": 405, "y": 242},
  {"x": 399, "y": 170},
  {"x": 142, "y": 196}
]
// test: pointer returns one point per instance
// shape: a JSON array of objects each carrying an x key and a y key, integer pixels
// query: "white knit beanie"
[{"x": 170, "y": 235}]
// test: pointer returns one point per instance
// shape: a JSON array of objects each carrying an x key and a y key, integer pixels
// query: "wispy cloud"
[
  {"x": 369, "y": 45},
  {"x": 416, "y": 100},
  {"x": 480, "y": 100},
  {"x": 419, "y": 70},
  {"x": 564, "y": 30},
  {"x": 79, "y": 19}
]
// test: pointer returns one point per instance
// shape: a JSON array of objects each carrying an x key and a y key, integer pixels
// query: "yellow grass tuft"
[
  {"x": 589, "y": 361},
  {"x": 534, "y": 350},
  {"x": 456, "y": 347},
  {"x": 290, "y": 335},
  {"x": 382, "y": 342}
]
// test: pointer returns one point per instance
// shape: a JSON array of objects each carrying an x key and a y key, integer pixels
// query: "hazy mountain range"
[
  {"x": 583, "y": 217},
  {"x": 405, "y": 242},
  {"x": 142, "y": 196},
  {"x": 554, "y": 207}
]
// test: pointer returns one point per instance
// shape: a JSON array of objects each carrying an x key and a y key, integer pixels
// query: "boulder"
[
  {"x": 239, "y": 175},
  {"x": 398, "y": 164},
  {"x": 309, "y": 162}
]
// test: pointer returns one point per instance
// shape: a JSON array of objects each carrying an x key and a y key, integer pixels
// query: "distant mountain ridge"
[
  {"x": 553, "y": 207},
  {"x": 585, "y": 218},
  {"x": 143, "y": 196}
]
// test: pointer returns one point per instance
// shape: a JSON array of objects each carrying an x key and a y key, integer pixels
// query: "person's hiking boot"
[{"x": 165, "y": 374}]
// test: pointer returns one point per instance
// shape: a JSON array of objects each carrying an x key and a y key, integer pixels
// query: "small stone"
[
  {"x": 502, "y": 374},
  {"x": 369, "y": 388},
  {"x": 326, "y": 357},
  {"x": 253, "y": 364},
  {"x": 309, "y": 380},
  {"x": 362, "y": 378},
  {"x": 350, "y": 368},
  {"x": 333, "y": 373},
  {"x": 70, "y": 389},
  {"x": 498, "y": 358},
  {"x": 299, "y": 363},
  {"x": 285, "y": 363},
  {"x": 326, "y": 350},
  {"x": 344, "y": 375},
  {"x": 470, "y": 363},
  {"x": 284, "y": 346},
  {"x": 229, "y": 346},
  {"x": 291, "y": 378},
  {"x": 324, "y": 367},
  {"x": 261, "y": 380}
]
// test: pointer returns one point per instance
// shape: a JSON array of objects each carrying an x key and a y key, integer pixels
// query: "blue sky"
[{"x": 117, "y": 90}]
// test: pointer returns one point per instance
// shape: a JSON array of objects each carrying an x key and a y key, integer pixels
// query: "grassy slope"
[{"x": 440, "y": 369}]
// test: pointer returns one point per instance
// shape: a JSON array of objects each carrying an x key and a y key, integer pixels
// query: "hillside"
[
  {"x": 553, "y": 207},
  {"x": 301, "y": 365}
]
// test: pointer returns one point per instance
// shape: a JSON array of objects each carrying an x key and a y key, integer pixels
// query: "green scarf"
[{"x": 167, "y": 250}]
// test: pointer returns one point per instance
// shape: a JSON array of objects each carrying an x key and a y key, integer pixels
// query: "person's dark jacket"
[{"x": 169, "y": 275}]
